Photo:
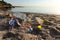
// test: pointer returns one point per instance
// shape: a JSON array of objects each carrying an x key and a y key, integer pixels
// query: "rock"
[
  {"x": 25, "y": 36},
  {"x": 10, "y": 36},
  {"x": 5, "y": 13},
  {"x": 4, "y": 21}
]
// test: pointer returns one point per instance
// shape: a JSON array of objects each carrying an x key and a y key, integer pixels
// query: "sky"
[
  {"x": 34, "y": 2},
  {"x": 51, "y": 4}
]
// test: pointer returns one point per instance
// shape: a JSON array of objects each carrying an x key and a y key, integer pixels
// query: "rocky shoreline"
[
  {"x": 5, "y": 6},
  {"x": 51, "y": 26}
]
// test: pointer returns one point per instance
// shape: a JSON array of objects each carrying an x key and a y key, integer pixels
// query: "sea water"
[
  {"x": 33, "y": 9},
  {"x": 44, "y": 10}
]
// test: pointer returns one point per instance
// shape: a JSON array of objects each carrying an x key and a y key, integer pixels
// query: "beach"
[
  {"x": 29, "y": 20},
  {"x": 51, "y": 25}
]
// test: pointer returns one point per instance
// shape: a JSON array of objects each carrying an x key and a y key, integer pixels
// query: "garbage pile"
[{"x": 49, "y": 28}]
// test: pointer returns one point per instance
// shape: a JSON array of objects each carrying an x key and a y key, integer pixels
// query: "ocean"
[
  {"x": 32, "y": 9},
  {"x": 43, "y": 10}
]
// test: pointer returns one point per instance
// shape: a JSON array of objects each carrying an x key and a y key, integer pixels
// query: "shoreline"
[{"x": 39, "y": 13}]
